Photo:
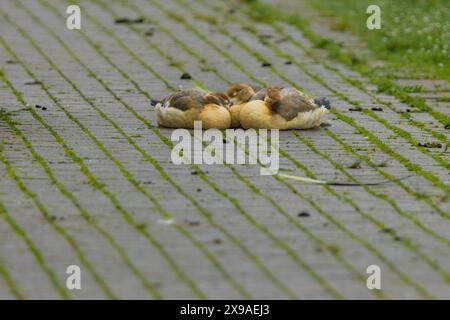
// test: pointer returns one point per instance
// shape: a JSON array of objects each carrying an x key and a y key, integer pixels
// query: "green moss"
[
  {"x": 443, "y": 99},
  {"x": 4, "y": 115},
  {"x": 208, "y": 19},
  {"x": 142, "y": 226},
  {"x": 383, "y": 164},
  {"x": 334, "y": 248},
  {"x": 355, "y": 165},
  {"x": 339, "y": 24}
]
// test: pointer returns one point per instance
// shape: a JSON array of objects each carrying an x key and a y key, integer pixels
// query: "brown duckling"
[
  {"x": 240, "y": 94},
  {"x": 182, "y": 108},
  {"x": 283, "y": 109}
]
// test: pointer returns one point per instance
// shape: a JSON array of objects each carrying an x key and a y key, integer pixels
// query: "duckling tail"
[{"x": 323, "y": 102}]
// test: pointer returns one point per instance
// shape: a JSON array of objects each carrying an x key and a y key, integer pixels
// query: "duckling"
[
  {"x": 283, "y": 109},
  {"x": 182, "y": 108},
  {"x": 240, "y": 94}
]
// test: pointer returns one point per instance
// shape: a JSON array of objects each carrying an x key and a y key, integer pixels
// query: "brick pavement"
[{"x": 89, "y": 181}]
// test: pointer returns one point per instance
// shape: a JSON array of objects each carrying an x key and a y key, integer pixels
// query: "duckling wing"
[
  {"x": 186, "y": 102},
  {"x": 185, "y": 99},
  {"x": 194, "y": 93},
  {"x": 290, "y": 106}
]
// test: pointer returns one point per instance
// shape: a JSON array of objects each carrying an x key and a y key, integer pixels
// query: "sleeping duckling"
[
  {"x": 181, "y": 109},
  {"x": 283, "y": 109},
  {"x": 240, "y": 94}
]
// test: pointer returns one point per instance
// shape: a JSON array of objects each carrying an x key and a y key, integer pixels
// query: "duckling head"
[
  {"x": 273, "y": 96},
  {"x": 240, "y": 93},
  {"x": 218, "y": 98}
]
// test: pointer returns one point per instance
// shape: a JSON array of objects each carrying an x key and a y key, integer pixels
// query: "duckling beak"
[{"x": 323, "y": 102}]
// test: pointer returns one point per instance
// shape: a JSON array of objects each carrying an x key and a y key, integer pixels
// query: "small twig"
[{"x": 335, "y": 183}]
